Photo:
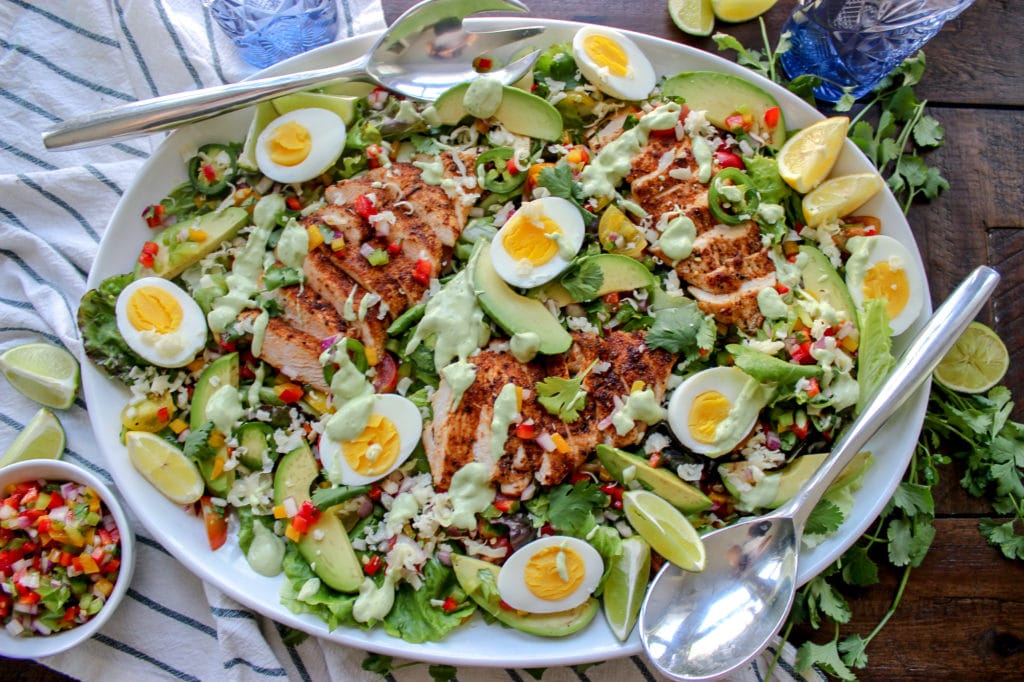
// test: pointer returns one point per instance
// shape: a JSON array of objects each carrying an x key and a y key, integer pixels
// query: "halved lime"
[
  {"x": 45, "y": 373},
  {"x": 165, "y": 466},
  {"x": 42, "y": 438},
  {"x": 626, "y": 585},
  {"x": 665, "y": 528},
  {"x": 692, "y": 16},
  {"x": 976, "y": 362}
]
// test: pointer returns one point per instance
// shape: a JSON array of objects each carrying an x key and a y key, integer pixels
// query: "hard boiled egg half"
[
  {"x": 300, "y": 145},
  {"x": 880, "y": 267},
  {"x": 538, "y": 242},
  {"x": 554, "y": 573},
  {"x": 387, "y": 440},
  {"x": 613, "y": 63},
  {"x": 160, "y": 322},
  {"x": 714, "y": 410}
]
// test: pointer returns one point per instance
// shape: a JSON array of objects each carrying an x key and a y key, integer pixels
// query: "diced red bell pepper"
[
  {"x": 801, "y": 425},
  {"x": 365, "y": 207},
  {"x": 154, "y": 215},
  {"x": 655, "y": 459},
  {"x": 578, "y": 476},
  {"x": 483, "y": 64},
  {"x": 394, "y": 248},
  {"x": 513, "y": 169},
  {"x": 737, "y": 121},
  {"x": 611, "y": 299},
  {"x": 526, "y": 431},
  {"x": 289, "y": 392},
  {"x": 424, "y": 269},
  {"x": 813, "y": 388},
  {"x": 375, "y": 492},
  {"x": 505, "y": 505},
  {"x": 374, "y": 564},
  {"x": 771, "y": 117},
  {"x": 781, "y": 288},
  {"x": 801, "y": 355},
  {"x": 293, "y": 203}
]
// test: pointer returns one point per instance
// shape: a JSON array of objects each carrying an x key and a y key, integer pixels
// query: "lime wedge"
[
  {"x": 975, "y": 363},
  {"x": 665, "y": 528},
  {"x": 838, "y": 197},
  {"x": 808, "y": 156},
  {"x": 165, "y": 466},
  {"x": 626, "y": 585},
  {"x": 45, "y": 373},
  {"x": 694, "y": 17},
  {"x": 740, "y": 10},
  {"x": 42, "y": 438}
]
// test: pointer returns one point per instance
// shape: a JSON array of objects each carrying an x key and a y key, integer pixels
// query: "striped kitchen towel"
[{"x": 64, "y": 58}]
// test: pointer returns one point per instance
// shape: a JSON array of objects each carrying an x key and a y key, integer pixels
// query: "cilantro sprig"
[{"x": 564, "y": 398}]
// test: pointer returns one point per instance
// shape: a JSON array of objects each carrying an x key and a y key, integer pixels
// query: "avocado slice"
[
  {"x": 326, "y": 544},
  {"x": 344, "y": 107},
  {"x": 221, "y": 372},
  {"x": 821, "y": 280},
  {"x": 721, "y": 95},
  {"x": 255, "y": 437},
  {"x": 620, "y": 273},
  {"x": 174, "y": 255},
  {"x": 680, "y": 494},
  {"x": 515, "y": 313},
  {"x": 521, "y": 112},
  {"x": 779, "y": 487},
  {"x": 559, "y": 624}
]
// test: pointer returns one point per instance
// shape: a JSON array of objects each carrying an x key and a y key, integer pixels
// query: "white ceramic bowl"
[{"x": 56, "y": 470}]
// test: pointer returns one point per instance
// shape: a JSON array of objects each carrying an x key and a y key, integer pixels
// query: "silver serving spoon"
[
  {"x": 426, "y": 51},
  {"x": 701, "y": 626}
]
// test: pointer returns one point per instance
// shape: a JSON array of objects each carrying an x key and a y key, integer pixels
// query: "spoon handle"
[
  {"x": 923, "y": 354},
  {"x": 171, "y": 111}
]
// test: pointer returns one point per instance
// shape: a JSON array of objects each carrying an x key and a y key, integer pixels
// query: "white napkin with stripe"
[{"x": 61, "y": 59}]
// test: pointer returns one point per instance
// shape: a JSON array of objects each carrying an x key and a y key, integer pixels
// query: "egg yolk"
[
  {"x": 528, "y": 238},
  {"x": 709, "y": 409},
  {"x": 607, "y": 54},
  {"x": 375, "y": 450},
  {"x": 554, "y": 573},
  {"x": 154, "y": 309},
  {"x": 290, "y": 144},
  {"x": 883, "y": 281}
]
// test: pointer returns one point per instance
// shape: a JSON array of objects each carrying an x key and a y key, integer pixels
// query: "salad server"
[
  {"x": 701, "y": 626},
  {"x": 424, "y": 52}
]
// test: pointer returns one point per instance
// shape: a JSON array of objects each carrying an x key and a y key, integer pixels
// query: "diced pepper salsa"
[{"x": 60, "y": 555}]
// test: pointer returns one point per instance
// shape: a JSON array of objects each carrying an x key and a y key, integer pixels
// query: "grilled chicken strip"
[
  {"x": 462, "y": 435},
  {"x": 295, "y": 353},
  {"x": 728, "y": 265}
]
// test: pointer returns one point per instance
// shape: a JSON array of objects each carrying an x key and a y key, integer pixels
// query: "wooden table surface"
[{"x": 962, "y": 615}]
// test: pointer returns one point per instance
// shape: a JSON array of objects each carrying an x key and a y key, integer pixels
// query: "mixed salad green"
[{"x": 806, "y": 363}]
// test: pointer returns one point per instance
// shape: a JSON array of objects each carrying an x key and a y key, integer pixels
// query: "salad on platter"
[{"x": 413, "y": 357}]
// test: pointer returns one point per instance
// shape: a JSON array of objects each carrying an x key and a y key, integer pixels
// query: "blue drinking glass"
[
  {"x": 853, "y": 44},
  {"x": 267, "y": 31}
]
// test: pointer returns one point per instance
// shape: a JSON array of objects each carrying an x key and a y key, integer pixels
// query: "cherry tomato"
[{"x": 387, "y": 374}]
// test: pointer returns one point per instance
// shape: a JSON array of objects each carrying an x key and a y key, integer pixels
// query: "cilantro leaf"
[
  {"x": 909, "y": 540},
  {"x": 825, "y": 518},
  {"x": 559, "y": 182},
  {"x": 854, "y": 651},
  {"x": 683, "y": 329},
  {"x": 570, "y": 507},
  {"x": 583, "y": 280},
  {"x": 564, "y": 398},
  {"x": 825, "y": 656},
  {"x": 197, "y": 445},
  {"x": 914, "y": 499},
  {"x": 859, "y": 569},
  {"x": 1003, "y": 536}
]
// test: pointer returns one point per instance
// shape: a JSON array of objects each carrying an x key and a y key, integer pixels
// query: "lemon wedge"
[
  {"x": 840, "y": 196},
  {"x": 740, "y": 10},
  {"x": 808, "y": 156},
  {"x": 165, "y": 466}
]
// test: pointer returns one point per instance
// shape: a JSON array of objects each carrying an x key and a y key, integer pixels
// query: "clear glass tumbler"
[
  {"x": 853, "y": 44},
  {"x": 267, "y": 31}
]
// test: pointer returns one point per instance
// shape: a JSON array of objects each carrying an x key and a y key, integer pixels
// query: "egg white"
[
  {"x": 730, "y": 382},
  {"x": 327, "y": 131},
  {"x": 522, "y": 273},
  {"x": 640, "y": 77},
  {"x": 512, "y": 583},
  {"x": 173, "y": 349},
  {"x": 409, "y": 424},
  {"x": 868, "y": 252}
]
